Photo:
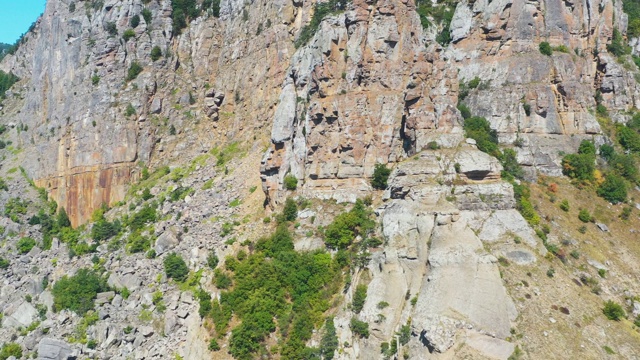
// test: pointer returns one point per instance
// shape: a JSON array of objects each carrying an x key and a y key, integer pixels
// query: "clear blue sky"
[{"x": 16, "y": 16}]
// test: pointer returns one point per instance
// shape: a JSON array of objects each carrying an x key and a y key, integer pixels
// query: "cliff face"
[
  {"x": 75, "y": 93},
  {"x": 372, "y": 85}
]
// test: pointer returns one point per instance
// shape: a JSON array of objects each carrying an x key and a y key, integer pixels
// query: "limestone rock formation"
[{"x": 238, "y": 99}]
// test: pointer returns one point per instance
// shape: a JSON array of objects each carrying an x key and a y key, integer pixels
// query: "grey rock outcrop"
[{"x": 52, "y": 349}]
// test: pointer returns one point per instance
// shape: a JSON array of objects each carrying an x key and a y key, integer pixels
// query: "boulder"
[
  {"x": 52, "y": 349},
  {"x": 165, "y": 242}
]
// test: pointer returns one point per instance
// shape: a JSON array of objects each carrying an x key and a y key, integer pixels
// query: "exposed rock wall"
[
  {"x": 74, "y": 96},
  {"x": 365, "y": 90}
]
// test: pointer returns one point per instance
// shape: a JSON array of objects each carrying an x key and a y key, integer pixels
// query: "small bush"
[
  {"x": 156, "y": 53},
  {"x": 613, "y": 311},
  {"x": 146, "y": 15},
  {"x": 380, "y": 176},
  {"x": 545, "y": 48},
  {"x": 432, "y": 145},
  {"x": 4, "y": 263},
  {"x": 25, "y": 245},
  {"x": 474, "y": 83},
  {"x": 128, "y": 34},
  {"x": 290, "y": 182},
  {"x": 111, "y": 28},
  {"x": 134, "y": 70},
  {"x": 359, "y": 298},
  {"x": 212, "y": 259},
  {"x": 584, "y": 215},
  {"x": 10, "y": 349},
  {"x": 130, "y": 110},
  {"x": 464, "y": 111},
  {"x": 135, "y": 21},
  {"x": 564, "y": 205},
  {"x": 359, "y": 328},
  {"x": 290, "y": 211},
  {"x": 175, "y": 267},
  {"x": 213, "y": 345}
]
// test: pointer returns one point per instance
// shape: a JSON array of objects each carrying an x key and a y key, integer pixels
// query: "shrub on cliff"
[
  {"x": 10, "y": 349},
  {"x": 613, "y": 189},
  {"x": 380, "y": 176},
  {"x": 613, "y": 311},
  {"x": 77, "y": 292},
  {"x": 479, "y": 129},
  {"x": 156, "y": 53},
  {"x": 545, "y": 48},
  {"x": 290, "y": 182},
  {"x": 134, "y": 70},
  {"x": 175, "y": 267}
]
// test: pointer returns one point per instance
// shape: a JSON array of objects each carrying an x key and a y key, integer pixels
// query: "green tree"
[
  {"x": 25, "y": 245},
  {"x": 584, "y": 215},
  {"x": 380, "y": 176},
  {"x": 618, "y": 46},
  {"x": 613, "y": 311},
  {"x": 613, "y": 189},
  {"x": 63, "y": 219},
  {"x": 545, "y": 48},
  {"x": 290, "y": 182},
  {"x": 290, "y": 211},
  {"x": 579, "y": 166},
  {"x": 135, "y": 21},
  {"x": 329, "y": 343},
  {"x": 479, "y": 129},
  {"x": 156, "y": 53},
  {"x": 134, "y": 70},
  {"x": 175, "y": 267},
  {"x": 359, "y": 298},
  {"x": 77, "y": 292},
  {"x": 359, "y": 328}
]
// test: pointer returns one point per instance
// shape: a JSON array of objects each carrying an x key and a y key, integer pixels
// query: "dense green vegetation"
[
  {"x": 441, "y": 14},
  {"x": 77, "y": 292},
  {"x": 290, "y": 182},
  {"x": 545, "y": 48},
  {"x": 175, "y": 268},
  {"x": 276, "y": 288},
  {"x": 359, "y": 298},
  {"x": 4, "y": 263},
  {"x": 613, "y": 311},
  {"x": 380, "y": 176},
  {"x": 6, "y": 82},
  {"x": 329, "y": 343},
  {"x": 618, "y": 45},
  {"x": 25, "y": 245},
  {"x": 580, "y": 166},
  {"x": 10, "y": 349},
  {"x": 621, "y": 169},
  {"x": 134, "y": 70},
  {"x": 479, "y": 129},
  {"x": 187, "y": 10},
  {"x": 632, "y": 8},
  {"x": 321, "y": 11},
  {"x": 341, "y": 233}
]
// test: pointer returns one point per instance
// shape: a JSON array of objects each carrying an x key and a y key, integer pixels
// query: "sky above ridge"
[{"x": 16, "y": 16}]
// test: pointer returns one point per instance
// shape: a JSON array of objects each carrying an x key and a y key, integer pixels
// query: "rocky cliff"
[{"x": 246, "y": 95}]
